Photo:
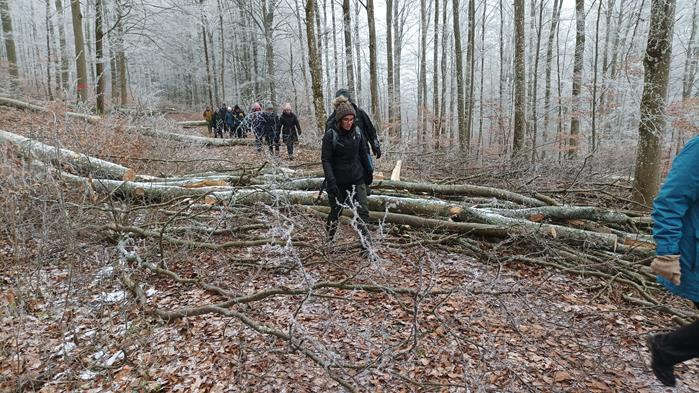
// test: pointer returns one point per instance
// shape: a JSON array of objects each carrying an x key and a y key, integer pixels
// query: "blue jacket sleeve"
[{"x": 678, "y": 193}]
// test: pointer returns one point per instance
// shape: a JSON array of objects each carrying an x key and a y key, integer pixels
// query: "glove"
[
  {"x": 376, "y": 148},
  {"x": 332, "y": 188},
  {"x": 667, "y": 266},
  {"x": 368, "y": 178},
  {"x": 368, "y": 191}
]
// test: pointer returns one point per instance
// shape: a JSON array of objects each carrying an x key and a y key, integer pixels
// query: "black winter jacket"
[
  {"x": 362, "y": 121},
  {"x": 346, "y": 162},
  {"x": 289, "y": 123},
  {"x": 270, "y": 123}
]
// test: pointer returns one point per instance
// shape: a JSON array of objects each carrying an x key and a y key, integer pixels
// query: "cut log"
[
  {"x": 82, "y": 163},
  {"x": 566, "y": 213},
  {"x": 395, "y": 175},
  {"x": 193, "y": 139},
  {"x": 36, "y": 108},
  {"x": 191, "y": 123}
]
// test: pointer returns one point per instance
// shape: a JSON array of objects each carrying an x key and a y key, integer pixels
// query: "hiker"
[
  {"x": 238, "y": 117},
  {"x": 291, "y": 129},
  {"x": 270, "y": 125},
  {"x": 208, "y": 116},
  {"x": 347, "y": 169},
  {"x": 253, "y": 122},
  {"x": 363, "y": 122},
  {"x": 229, "y": 121},
  {"x": 221, "y": 120},
  {"x": 216, "y": 123},
  {"x": 676, "y": 233}
]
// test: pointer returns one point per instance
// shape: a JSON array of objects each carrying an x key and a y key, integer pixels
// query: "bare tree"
[
  {"x": 8, "y": 34},
  {"x": 573, "y": 140},
  {"x": 62, "y": 44},
  {"x": 436, "y": 121},
  {"x": 651, "y": 128},
  {"x": 555, "y": 16},
  {"x": 460, "y": 105},
  {"x": 81, "y": 64},
  {"x": 316, "y": 75},
  {"x": 690, "y": 63},
  {"x": 99, "y": 61},
  {"x": 389, "y": 64},
  {"x": 520, "y": 124},
  {"x": 470, "y": 66},
  {"x": 347, "y": 30},
  {"x": 373, "y": 72}
]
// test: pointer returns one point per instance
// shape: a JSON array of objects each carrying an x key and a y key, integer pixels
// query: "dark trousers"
[
  {"x": 680, "y": 344},
  {"x": 353, "y": 196},
  {"x": 290, "y": 148}
]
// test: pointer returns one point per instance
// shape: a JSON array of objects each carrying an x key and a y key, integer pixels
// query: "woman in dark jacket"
[
  {"x": 291, "y": 129},
  {"x": 347, "y": 169}
]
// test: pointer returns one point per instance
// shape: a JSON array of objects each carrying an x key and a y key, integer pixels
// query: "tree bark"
[
  {"x": 268, "y": 23},
  {"x": 555, "y": 16},
  {"x": 99, "y": 61},
  {"x": 373, "y": 73},
  {"x": 206, "y": 57},
  {"x": 80, "y": 62},
  {"x": 389, "y": 67},
  {"x": 471, "y": 67},
  {"x": 651, "y": 128},
  {"x": 573, "y": 140},
  {"x": 349, "y": 59},
  {"x": 422, "y": 77},
  {"x": 316, "y": 76},
  {"x": 62, "y": 43},
  {"x": 49, "y": 58},
  {"x": 690, "y": 63},
  {"x": 464, "y": 141},
  {"x": 520, "y": 125},
  {"x": 121, "y": 55},
  {"x": 436, "y": 120},
  {"x": 10, "y": 50}
]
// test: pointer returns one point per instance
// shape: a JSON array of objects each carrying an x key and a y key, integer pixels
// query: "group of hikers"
[
  {"x": 267, "y": 126},
  {"x": 346, "y": 155}
]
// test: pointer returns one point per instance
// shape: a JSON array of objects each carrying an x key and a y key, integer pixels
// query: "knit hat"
[
  {"x": 255, "y": 107},
  {"x": 344, "y": 92},
  {"x": 343, "y": 107},
  {"x": 269, "y": 106},
  {"x": 286, "y": 107}
]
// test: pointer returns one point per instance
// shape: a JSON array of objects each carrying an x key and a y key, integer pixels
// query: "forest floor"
[{"x": 68, "y": 323}]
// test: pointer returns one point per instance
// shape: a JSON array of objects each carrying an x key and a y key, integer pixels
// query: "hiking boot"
[{"x": 664, "y": 372}]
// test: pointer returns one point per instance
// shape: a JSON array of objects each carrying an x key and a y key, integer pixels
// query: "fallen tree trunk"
[
  {"x": 197, "y": 140},
  {"x": 191, "y": 123},
  {"x": 566, "y": 213},
  {"x": 36, "y": 108},
  {"x": 82, "y": 163},
  {"x": 425, "y": 188}
]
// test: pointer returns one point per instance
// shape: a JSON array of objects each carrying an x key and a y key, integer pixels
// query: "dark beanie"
[
  {"x": 344, "y": 92},
  {"x": 343, "y": 107}
]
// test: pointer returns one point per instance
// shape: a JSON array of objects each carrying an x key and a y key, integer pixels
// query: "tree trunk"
[
  {"x": 62, "y": 42},
  {"x": 268, "y": 10},
  {"x": 49, "y": 58},
  {"x": 316, "y": 76},
  {"x": 121, "y": 55},
  {"x": 460, "y": 104},
  {"x": 336, "y": 58},
  {"x": 593, "y": 126},
  {"x": 520, "y": 126},
  {"x": 99, "y": 53},
  {"x": 304, "y": 56},
  {"x": 479, "y": 148},
  {"x": 373, "y": 73},
  {"x": 81, "y": 64},
  {"x": 422, "y": 77},
  {"x": 389, "y": 67},
  {"x": 206, "y": 57},
  {"x": 399, "y": 20},
  {"x": 651, "y": 128},
  {"x": 349, "y": 59},
  {"x": 574, "y": 141},
  {"x": 555, "y": 16},
  {"x": 471, "y": 60},
  {"x": 357, "y": 53},
  {"x": 436, "y": 121},
  {"x": 442, "y": 110},
  {"x": 222, "y": 70},
  {"x": 690, "y": 63},
  {"x": 535, "y": 82},
  {"x": 10, "y": 50}
]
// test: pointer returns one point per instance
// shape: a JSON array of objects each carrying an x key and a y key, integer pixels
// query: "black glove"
[
  {"x": 368, "y": 191},
  {"x": 332, "y": 188},
  {"x": 368, "y": 178},
  {"x": 376, "y": 148}
]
